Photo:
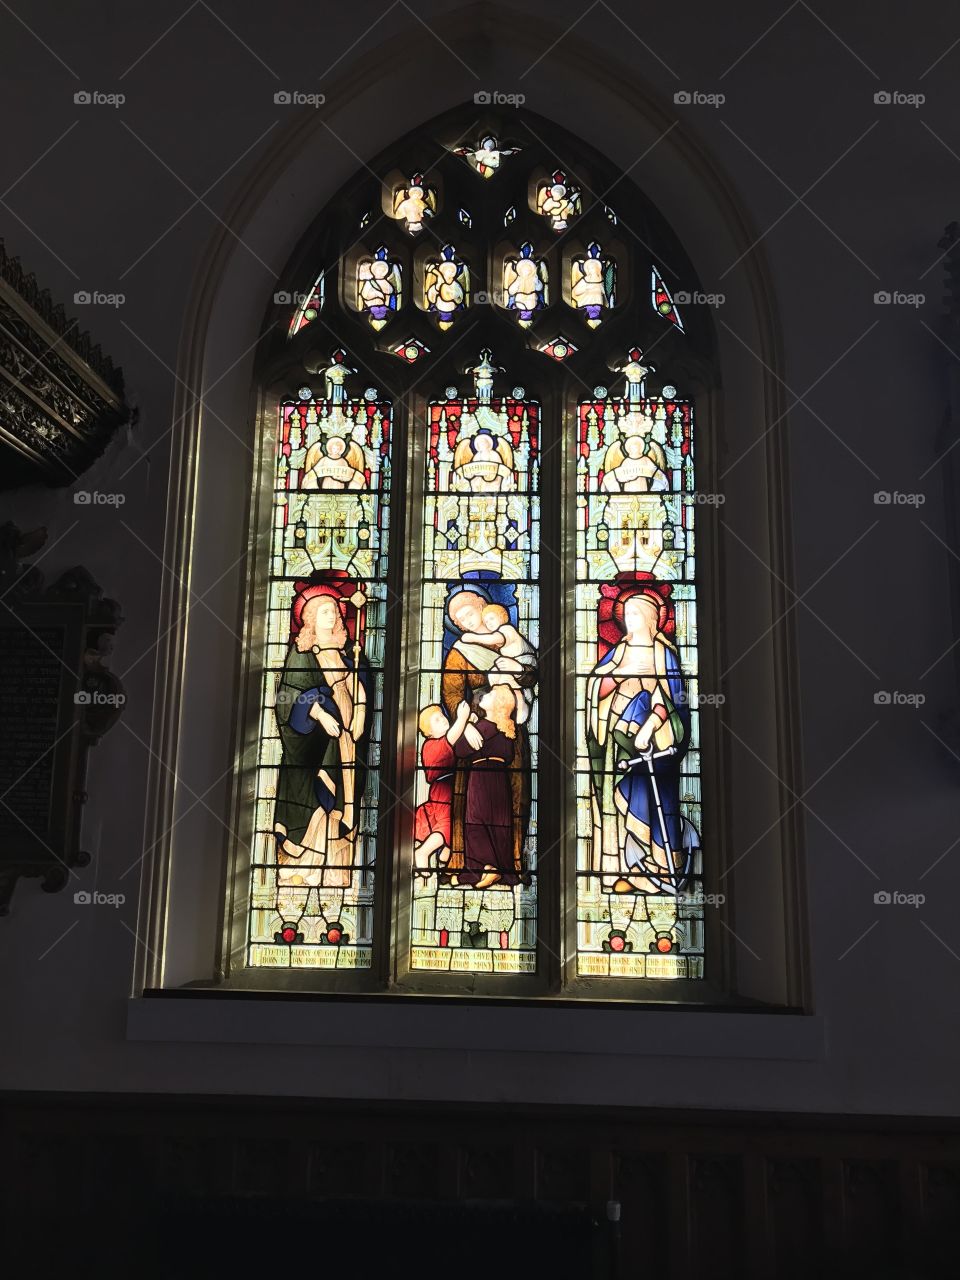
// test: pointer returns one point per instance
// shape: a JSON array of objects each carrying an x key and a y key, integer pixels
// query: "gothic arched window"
[{"x": 479, "y": 707}]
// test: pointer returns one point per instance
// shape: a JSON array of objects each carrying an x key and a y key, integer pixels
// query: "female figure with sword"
[{"x": 638, "y": 728}]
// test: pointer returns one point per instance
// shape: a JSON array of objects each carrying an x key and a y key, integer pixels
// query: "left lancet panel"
[{"x": 318, "y": 773}]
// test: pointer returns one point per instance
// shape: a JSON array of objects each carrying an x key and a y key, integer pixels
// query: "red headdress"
[
  {"x": 613, "y": 597},
  {"x": 329, "y": 582}
]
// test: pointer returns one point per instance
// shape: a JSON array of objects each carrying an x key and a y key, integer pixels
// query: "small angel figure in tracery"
[
  {"x": 592, "y": 279},
  {"x": 558, "y": 201},
  {"x": 446, "y": 286},
  {"x": 412, "y": 205},
  {"x": 486, "y": 158},
  {"x": 378, "y": 287},
  {"x": 483, "y": 464},
  {"x": 334, "y": 463},
  {"x": 525, "y": 284},
  {"x": 635, "y": 464}
]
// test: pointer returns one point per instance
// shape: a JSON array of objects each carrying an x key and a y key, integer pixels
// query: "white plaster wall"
[{"x": 877, "y": 616}]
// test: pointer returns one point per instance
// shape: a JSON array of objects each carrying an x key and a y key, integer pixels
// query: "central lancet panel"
[{"x": 474, "y": 895}]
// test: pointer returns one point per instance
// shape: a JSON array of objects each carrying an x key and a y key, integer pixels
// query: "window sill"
[{"x": 445, "y": 1025}]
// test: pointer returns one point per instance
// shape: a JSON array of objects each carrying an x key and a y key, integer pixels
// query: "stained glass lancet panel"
[
  {"x": 318, "y": 772},
  {"x": 474, "y": 899},
  {"x": 639, "y": 908}
]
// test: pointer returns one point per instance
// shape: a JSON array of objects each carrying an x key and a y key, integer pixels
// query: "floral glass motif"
[
  {"x": 446, "y": 286},
  {"x": 414, "y": 204},
  {"x": 558, "y": 201},
  {"x": 662, "y": 301},
  {"x": 525, "y": 283},
  {"x": 474, "y": 879},
  {"x": 486, "y": 158},
  {"x": 309, "y": 306},
  {"x": 317, "y": 781},
  {"x": 378, "y": 287},
  {"x": 592, "y": 284},
  {"x": 639, "y": 909}
]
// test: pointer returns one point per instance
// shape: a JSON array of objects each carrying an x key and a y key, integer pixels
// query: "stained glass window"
[
  {"x": 479, "y": 741},
  {"x": 474, "y": 874},
  {"x": 318, "y": 781}
]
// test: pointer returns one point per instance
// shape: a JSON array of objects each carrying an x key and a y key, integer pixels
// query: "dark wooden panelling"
[{"x": 699, "y": 1195}]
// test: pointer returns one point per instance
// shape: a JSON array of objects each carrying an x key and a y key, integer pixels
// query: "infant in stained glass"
[{"x": 516, "y": 661}]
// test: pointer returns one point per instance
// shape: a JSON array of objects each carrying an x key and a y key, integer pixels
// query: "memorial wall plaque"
[{"x": 57, "y": 699}]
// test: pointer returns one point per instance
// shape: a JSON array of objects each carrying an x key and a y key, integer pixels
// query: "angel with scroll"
[
  {"x": 414, "y": 204},
  {"x": 635, "y": 465},
  {"x": 525, "y": 284},
  {"x": 334, "y": 463},
  {"x": 483, "y": 464}
]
